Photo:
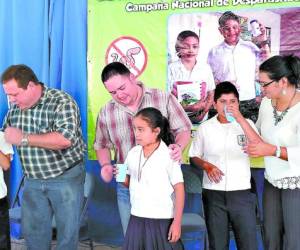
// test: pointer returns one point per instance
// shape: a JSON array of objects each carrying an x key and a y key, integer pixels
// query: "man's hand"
[
  {"x": 175, "y": 152},
  {"x": 13, "y": 135},
  {"x": 174, "y": 232},
  {"x": 107, "y": 172}
]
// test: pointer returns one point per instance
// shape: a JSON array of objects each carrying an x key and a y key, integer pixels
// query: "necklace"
[
  {"x": 278, "y": 118},
  {"x": 141, "y": 167}
]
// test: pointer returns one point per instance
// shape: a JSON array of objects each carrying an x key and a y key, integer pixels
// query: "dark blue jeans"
[
  {"x": 60, "y": 197},
  {"x": 124, "y": 205}
]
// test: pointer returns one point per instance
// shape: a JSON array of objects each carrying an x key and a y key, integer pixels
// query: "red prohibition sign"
[{"x": 129, "y": 51}]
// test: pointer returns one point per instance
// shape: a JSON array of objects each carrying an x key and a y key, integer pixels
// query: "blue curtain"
[{"x": 50, "y": 37}]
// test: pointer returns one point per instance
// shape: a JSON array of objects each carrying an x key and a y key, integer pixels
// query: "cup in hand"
[
  {"x": 255, "y": 29},
  {"x": 122, "y": 171},
  {"x": 228, "y": 115}
]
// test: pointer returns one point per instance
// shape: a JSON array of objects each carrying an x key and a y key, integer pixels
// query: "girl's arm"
[
  {"x": 175, "y": 228},
  {"x": 4, "y": 161}
]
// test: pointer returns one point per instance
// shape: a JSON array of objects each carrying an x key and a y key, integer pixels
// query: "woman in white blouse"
[{"x": 279, "y": 125}]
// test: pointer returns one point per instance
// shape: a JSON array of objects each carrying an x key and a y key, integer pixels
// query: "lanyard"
[{"x": 142, "y": 166}]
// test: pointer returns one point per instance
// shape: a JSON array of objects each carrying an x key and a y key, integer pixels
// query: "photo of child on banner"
[{"x": 191, "y": 82}]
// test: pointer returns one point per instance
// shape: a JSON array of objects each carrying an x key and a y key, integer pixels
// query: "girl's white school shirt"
[
  {"x": 5, "y": 148},
  {"x": 153, "y": 195}
]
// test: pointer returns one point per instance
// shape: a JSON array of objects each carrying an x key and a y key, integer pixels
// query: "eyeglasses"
[{"x": 265, "y": 84}]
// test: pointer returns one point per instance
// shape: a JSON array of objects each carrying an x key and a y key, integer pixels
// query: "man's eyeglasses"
[{"x": 265, "y": 84}]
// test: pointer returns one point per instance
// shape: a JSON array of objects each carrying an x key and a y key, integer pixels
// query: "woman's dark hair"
[
  {"x": 225, "y": 88},
  {"x": 155, "y": 119},
  {"x": 287, "y": 66},
  {"x": 181, "y": 37}
]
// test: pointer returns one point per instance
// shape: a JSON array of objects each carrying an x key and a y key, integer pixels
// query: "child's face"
[
  {"x": 144, "y": 134},
  {"x": 225, "y": 99},
  {"x": 189, "y": 47},
  {"x": 231, "y": 32}
]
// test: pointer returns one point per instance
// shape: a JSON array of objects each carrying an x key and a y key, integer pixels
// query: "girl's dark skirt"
[{"x": 149, "y": 234}]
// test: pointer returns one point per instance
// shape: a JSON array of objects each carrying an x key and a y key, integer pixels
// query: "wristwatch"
[{"x": 24, "y": 141}]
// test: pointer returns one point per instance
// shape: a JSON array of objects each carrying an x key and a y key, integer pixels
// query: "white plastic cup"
[
  {"x": 122, "y": 171},
  {"x": 228, "y": 115},
  {"x": 255, "y": 30}
]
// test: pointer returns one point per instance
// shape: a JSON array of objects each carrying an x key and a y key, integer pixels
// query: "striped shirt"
[
  {"x": 114, "y": 129},
  {"x": 56, "y": 111}
]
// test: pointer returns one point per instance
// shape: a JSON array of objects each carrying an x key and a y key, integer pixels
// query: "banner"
[{"x": 142, "y": 35}]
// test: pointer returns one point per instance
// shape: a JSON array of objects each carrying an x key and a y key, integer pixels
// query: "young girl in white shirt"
[
  {"x": 156, "y": 186},
  {"x": 5, "y": 151}
]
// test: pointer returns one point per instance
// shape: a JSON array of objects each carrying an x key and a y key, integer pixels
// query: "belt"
[{"x": 75, "y": 164}]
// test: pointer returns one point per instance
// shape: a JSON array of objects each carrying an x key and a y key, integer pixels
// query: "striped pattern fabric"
[{"x": 114, "y": 128}]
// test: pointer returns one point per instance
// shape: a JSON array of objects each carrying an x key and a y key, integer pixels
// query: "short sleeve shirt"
[
  {"x": 153, "y": 195},
  {"x": 114, "y": 128}
]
